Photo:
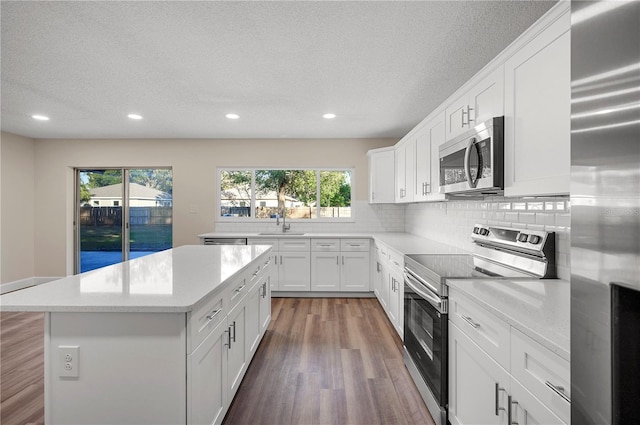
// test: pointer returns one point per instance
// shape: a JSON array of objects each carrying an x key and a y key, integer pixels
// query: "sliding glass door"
[{"x": 123, "y": 213}]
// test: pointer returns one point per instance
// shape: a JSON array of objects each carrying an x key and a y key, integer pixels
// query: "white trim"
[{"x": 25, "y": 283}]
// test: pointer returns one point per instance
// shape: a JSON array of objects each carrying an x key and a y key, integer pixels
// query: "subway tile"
[
  {"x": 519, "y": 206},
  {"x": 504, "y": 206},
  {"x": 550, "y": 206},
  {"x": 497, "y": 215},
  {"x": 545, "y": 219},
  {"x": 511, "y": 217},
  {"x": 529, "y": 218},
  {"x": 535, "y": 206},
  {"x": 563, "y": 220}
]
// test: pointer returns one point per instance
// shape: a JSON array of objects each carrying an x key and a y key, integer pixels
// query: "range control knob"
[
  {"x": 484, "y": 232},
  {"x": 523, "y": 237},
  {"x": 476, "y": 230},
  {"x": 535, "y": 239}
]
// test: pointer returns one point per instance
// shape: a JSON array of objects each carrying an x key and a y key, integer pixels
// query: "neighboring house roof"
[{"x": 136, "y": 191}]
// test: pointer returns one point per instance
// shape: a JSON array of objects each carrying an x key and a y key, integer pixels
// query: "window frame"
[{"x": 252, "y": 216}]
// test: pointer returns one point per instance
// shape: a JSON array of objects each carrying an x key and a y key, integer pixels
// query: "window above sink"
[{"x": 271, "y": 194}]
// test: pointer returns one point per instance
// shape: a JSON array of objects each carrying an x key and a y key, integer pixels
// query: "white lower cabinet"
[
  {"x": 521, "y": 382},
  {"x": 340, "y": 265},
  {"x": 473, "y": 377},
  {"x": 354, "y": 272},
  {"x": 207, "y": 392},
  {"x": 388, "y": 276},
  {"x": 216, "y": 367},
  {"x": 325, "y": 271}
]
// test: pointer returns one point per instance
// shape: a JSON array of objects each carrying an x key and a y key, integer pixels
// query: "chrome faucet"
[{"x": 285, "y": 226}]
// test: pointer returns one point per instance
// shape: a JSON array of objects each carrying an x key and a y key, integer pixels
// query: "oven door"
[{"x": 426, "y": 337}]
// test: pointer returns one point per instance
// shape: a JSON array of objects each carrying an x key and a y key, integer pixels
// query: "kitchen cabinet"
[
  {"x": 389, "y": 269},
  {"x": 477, "y": 383},
  {"x": 483, "y": 101},
  {"x": 495, "y": 366},
  {"x": 381, "y": 175},
  {"x": 207, "y": 393},
  {"x": 265, "y": 306},
  {"x": 294, "y": 264},
  {"x": 405, "y": 170},
  {"x": 538, "y": 113},
  {"x": 427, "y": 160},
  {"x": 340, "y": 265},
  {"x": 238, "y": 353}
]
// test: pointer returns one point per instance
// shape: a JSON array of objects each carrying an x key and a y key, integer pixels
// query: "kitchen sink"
[{"x": 281, "y": 234}]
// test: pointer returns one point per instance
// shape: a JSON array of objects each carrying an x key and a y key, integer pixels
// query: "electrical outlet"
[{"x": 69, "y": 360}]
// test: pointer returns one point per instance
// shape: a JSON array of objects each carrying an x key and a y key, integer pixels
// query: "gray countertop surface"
[{"x": 539, "y": 308}]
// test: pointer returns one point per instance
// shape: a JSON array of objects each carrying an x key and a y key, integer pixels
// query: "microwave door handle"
[{"x": 467, "y": 166}]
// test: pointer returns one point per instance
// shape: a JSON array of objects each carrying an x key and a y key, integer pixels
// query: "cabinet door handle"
[
  {"x": 378, "y": 266},
  {"x": 343, "y": 260},
  {"x": 469, "y": 119},
  {"x": 373, "y": 196},
  {"x": 234, "y": 330},
  {"x": 228, "y": 344},
  {"x": 337, "y": 261},
  {"x": 240, "y": 288},
  {"x": 428, "y": 188},
  {"x": 498, "y": 408},
  {"x": 470, "y": 321},
  {"x": 462, "y": 116},
  {"x": 558, "y": 390},
  {"x": 511, "y": 402},
  {"x": 264, "y": 290},
  {"x": 213, "y": 314}
]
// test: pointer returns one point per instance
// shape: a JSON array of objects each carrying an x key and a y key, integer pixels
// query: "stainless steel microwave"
[{"x": 473, "y": 163}]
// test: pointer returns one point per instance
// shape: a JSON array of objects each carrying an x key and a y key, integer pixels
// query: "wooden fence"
[{"x": 112, "y": 216}]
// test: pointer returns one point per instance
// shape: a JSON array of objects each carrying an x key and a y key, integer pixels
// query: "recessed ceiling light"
[
  {"x": 329, "y": 116},
  {"x": 232, "y": 116},
  {"x": 135, "y": 116},
  {"x": 40, "y": 117}
]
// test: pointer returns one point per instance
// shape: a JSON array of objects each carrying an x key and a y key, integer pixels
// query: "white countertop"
[
  {"x": 539, "y": 308},
  {"x": 169, "y": 281}
]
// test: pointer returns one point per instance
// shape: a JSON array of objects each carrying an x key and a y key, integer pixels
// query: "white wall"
[
  {"x": 17, "y": 207},
  {"x": 451, "y": 222},
  {"x": 194, "y": 165}
]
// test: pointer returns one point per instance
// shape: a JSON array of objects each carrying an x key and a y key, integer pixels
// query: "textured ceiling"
[{"x": 380, "y": 66}]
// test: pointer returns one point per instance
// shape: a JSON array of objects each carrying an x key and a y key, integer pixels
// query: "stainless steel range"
[{"x": 498, "y": 253}]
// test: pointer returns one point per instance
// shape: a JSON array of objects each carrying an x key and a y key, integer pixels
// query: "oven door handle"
[
  {"x": 418, "y": 279},
  {"x": 432, "y": 299}
]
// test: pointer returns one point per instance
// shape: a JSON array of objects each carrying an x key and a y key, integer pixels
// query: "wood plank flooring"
[
  {"x": 322, "y": 361},
  {"x": 328, "y": 361},
  {"x": 21, "y": 368}
]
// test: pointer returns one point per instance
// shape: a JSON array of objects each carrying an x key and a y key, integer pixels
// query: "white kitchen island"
[{"x": 162, "y": 339}]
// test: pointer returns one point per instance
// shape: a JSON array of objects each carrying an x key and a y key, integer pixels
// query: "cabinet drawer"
[
  {"x": 294, "y": 244},
  {"x": 485, "y": 329},
  {"x": 204, "y": 319},
  {"x": 396, "y": 261},
  {"x": 354, "y": 245},
  {"x": 325, "y": 245},
  {"x": 261, "y": 241},
  {"x": 538, "y": 369},
  {"x": 236, "y": 292}
]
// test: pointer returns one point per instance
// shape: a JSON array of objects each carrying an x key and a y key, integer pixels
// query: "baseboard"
[
  {"x": 308, "y": 294},
  {"x": 16, "y": 285}
]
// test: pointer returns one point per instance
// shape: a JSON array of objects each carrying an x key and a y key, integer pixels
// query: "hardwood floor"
[
  {"x": 328, "y": 361},
  {"x": 21, "y": 368},
  {"x": 322, "y": 361}
]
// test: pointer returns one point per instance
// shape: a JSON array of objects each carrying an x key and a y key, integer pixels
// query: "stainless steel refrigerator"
[{"x": 605, "y": 212}]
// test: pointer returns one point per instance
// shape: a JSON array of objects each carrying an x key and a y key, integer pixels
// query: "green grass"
[{"x": 109, "y": 238}]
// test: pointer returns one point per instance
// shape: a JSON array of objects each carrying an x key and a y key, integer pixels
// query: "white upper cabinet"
[
  {"x": 427, "y": 163},
  {"x": 405, "y": 170},
  {"x": 538, "y": 113},
  {"x": 483, "y": 101},
  {"x": 381, "y": 176}
]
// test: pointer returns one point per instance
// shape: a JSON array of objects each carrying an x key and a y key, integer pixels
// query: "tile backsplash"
[
  {"x": 448, "y": 222},
  {"x": 451, "y": 222},
  {"x": 369, "y": 218}
]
